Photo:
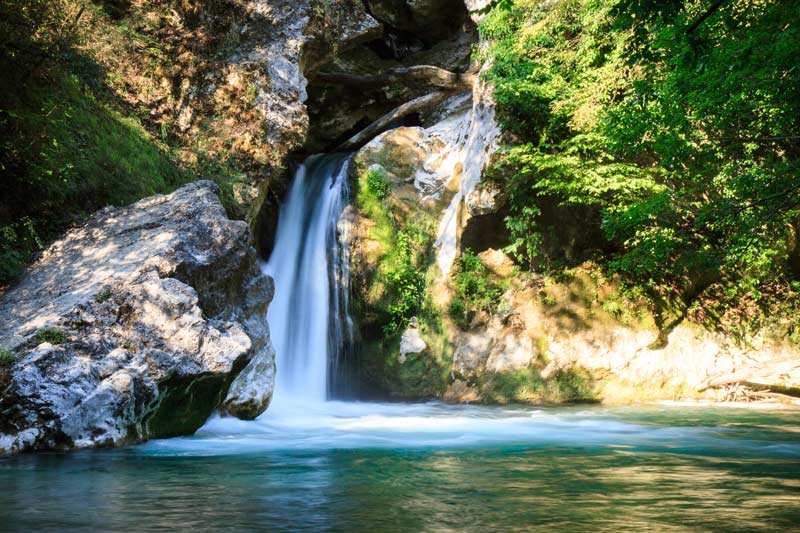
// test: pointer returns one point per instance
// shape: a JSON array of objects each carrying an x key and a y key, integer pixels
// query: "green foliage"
[
  {"x": 404, "y": 251},
  {"x": 65, "y": 153},
  {"x": 683, "y": 137},
  {"x": 51, "y": 335},
  {"x": 378, "y": 184},
  {"x": 528, "y": 385},
  {"x": 103, "y": 296},
  {"x": 6, "y": 357},
  {"x": 406, "y": 283},
  {"x": 78, "y": 128},
  {"x": 17, "y": 242},
  {"x": 474, "y": 292}
]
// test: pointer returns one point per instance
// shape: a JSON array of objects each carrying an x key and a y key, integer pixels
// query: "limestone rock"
[
  {"x": 134, "y": 326},
  {"x": 577, "y": 337},
  {"x": 411, "y": 341},
  {"x": 475, "y": 8},
  {"x": 275, "y": 45}
]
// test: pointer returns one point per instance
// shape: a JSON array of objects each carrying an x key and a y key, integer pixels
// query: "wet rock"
[
  {"x": 460, "y": 392},
  {"x": 134, "y": 326}
]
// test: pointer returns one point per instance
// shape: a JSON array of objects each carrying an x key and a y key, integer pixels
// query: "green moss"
[
  {"x": 51, "y": 335},
  {"x": 103, "y": 296},
  {"x": 528, "y": 386},
  {"x": 395, "y": 288},
  {"x": 6, "y": 357},
  {"x": 185, "y": 404}
]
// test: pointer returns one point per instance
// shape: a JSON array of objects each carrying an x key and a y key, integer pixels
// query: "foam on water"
[{"x": 353, "y": 425}]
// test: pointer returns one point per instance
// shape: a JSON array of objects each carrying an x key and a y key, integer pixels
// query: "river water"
[
  {"x": 430, "y": 467},
  {"x": 309, "y": 464}
]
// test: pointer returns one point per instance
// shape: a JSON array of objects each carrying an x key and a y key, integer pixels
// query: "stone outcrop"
[
  {"x": 248, "y": 98},
  {"x": 135, "y": 326},
  {"x": 580, "y": 331}
]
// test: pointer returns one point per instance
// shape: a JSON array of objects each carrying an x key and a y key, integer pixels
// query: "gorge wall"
[{"x": 445, "y": 312}]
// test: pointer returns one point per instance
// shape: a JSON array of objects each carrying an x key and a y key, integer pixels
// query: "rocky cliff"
[{"x": 137, "y": 325}]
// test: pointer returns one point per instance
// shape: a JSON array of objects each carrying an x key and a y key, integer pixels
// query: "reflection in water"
[{"x": 470, "y": 469}]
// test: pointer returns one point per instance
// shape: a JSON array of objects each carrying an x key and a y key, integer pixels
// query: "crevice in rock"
[{"x": 483, "y": 232}]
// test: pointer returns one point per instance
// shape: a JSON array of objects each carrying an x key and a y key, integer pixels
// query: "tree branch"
[{"x": 710, "y": 11}]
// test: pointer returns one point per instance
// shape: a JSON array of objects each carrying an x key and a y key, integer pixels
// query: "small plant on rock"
[
  {"x": 6, "y": 357},
  {"x": 475, "y": 291},
  {"x": 378, "y": 184},
  {"x": 103, "y": 296},
  {"x": 51, "y": 335}
]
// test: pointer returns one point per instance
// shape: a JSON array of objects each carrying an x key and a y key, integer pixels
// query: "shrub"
[
  {"x": 679, "y": 132},
  {"x": 406, "y": 283},
  {"x": 475, "y": 291}
]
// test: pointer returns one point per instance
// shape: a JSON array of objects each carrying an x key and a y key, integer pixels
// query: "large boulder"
[{"x": 135, "y": 326}]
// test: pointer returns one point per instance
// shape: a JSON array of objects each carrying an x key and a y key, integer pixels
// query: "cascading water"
[{"x": 309, "y": 316}]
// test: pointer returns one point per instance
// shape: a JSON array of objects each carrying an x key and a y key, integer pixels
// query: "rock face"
[
  {"x": 411, "y": 341},
  {"x": 135, "y": 326},
  {"x": 425, "y": 17},
  {"x": 428, "y": 173},
  {"x": 576, "y": 340},
  {"x": 249, "y": 96}
]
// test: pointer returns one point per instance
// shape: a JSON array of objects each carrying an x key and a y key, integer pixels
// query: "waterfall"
[
  {"x": 474, "y": 139},
  {"x": 309, "y": 315}
]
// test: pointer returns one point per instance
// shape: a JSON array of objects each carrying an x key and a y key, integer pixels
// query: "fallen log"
[
  {"x": 766, "y": 373},
  {"x": 417, "y": 105},
  {"x": 421, "y": 75}
]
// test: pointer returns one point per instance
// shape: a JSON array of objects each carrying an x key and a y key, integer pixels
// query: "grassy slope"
[{"x": 88, "y": 114}]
